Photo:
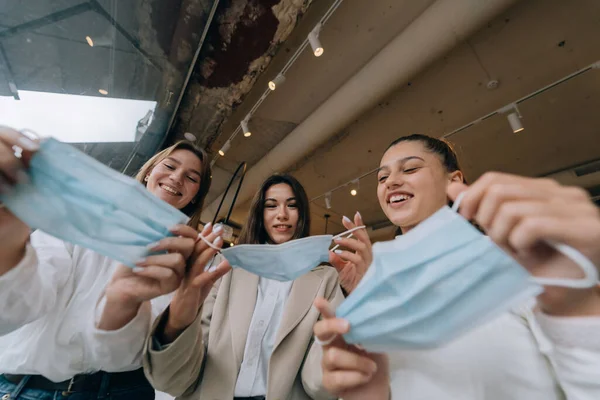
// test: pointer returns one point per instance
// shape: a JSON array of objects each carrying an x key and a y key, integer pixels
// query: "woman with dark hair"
[
  {"x": 549, "y": 350},
  {"x": 252, "y": 336},
  {"x": 50, "y": 344}
]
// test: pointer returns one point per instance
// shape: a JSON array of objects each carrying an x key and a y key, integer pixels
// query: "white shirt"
[
  {"x": 47, "y": 314},
  {"x": 267, "y": 316},
  {"x": 518, "y": 356}
]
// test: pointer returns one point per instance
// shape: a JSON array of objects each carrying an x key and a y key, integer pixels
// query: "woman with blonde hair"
[{"x": 57, "y": 340}]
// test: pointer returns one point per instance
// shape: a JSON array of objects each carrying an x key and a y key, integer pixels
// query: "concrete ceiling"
[{"x": 527, "y": 47}]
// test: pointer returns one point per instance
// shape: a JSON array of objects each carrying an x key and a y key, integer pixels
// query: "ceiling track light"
[
  {"x": 514, "y": 117},
  {"x": 278, "y": 80},
  {"x": 315, "y": 43},
  {"x": 245, "y": 128},
  {"x": 317, "y": 48},
  {"x": 355, "y": 187},
  {"x": 514, "y": 120},
  {"x": 328, "y": 200},
  {"x": 224, "y": 149}
]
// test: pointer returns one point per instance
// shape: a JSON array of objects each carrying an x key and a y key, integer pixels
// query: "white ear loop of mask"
[
  {"x": 328, "y": 341},
  {"x": 325, "y": 342},
  {"x": 209, "y": 244},
  {"x": 586, "y": 265},
  {"x": 349, "y": 231}
]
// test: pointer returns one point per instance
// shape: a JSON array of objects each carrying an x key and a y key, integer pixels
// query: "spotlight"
[
  {"x": 224, "y": 149},
  {"x": 245, "y": 127},
  {"x": 279, "y": 79},
  {"x": 328, "y": 200},
  {"x": 315, "y": 43},
  {"x": 355, "y": 187},
  {"x": 514, "y": 120},
  {"x": 514, "y": 117}
]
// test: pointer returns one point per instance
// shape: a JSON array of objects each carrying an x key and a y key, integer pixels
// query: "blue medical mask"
[
  {"x": 77, "y": 199},
  {"x": 438, "y": 281},
  {"x": 281, "y": 262}
]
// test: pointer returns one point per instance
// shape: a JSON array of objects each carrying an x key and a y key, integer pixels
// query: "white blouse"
[
  {"x": 48, "y": 304},
  {"x": 520, "y": 355}
]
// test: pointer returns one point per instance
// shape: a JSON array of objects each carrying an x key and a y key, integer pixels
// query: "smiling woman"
[
  {"x": 273, "y": 318},
  {"x": 179, "y": 175},
  {"x": 279, "y": 212},
  {"x": 413, "y": 174}
]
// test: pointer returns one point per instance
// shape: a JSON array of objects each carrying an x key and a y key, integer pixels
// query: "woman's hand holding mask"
[
  {"x": 352, "y": 264},
  {"x": 349, "y": 372},
  {"x": 154, "y": 276},
  {"x": 522, "y": 215},
  {"x": 196, "y": 284},
  {"x": 13, "y": 232}
]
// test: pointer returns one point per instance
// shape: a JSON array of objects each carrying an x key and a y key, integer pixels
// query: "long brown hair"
[
  {"x": 254, "y": 231},
  {"x": 194, "y": 208}
]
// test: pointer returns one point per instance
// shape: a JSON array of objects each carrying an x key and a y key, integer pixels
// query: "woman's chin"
[{"x": 278, "y": 238}]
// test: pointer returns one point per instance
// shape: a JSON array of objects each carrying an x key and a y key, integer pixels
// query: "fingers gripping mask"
[
  {"x": 281, "y": 262},
  {"x": 438, "y": 281},
  {"x": 77, "y": 199}
]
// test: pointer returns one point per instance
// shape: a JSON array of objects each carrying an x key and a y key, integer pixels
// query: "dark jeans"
[{"x": 11, "y": 391}]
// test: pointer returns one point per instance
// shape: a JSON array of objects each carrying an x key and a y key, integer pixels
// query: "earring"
[{"x": 193, "y": 201}]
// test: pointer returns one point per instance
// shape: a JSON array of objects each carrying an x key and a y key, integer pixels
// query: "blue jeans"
[{"x": 21, "y": 392}]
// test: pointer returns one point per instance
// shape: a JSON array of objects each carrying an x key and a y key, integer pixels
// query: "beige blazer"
[{"x": 204, "y": 362}]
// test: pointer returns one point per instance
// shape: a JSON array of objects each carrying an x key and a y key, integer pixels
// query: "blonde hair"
[{"x": 194, "y": 208}]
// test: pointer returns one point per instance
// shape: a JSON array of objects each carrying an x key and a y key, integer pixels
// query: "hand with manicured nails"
[
  {"x": 349, "y": 372},
  {"x": 522, "y": 215},
  {"x": 352, "y": 264},
  {"x": 154, "y": 276},
  {"x": 14, "y": 234},
  {"x": 196, "y": 284}
]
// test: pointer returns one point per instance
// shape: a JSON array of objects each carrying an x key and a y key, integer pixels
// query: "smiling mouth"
[
  {"x": 169, "y": 189},
  {"x": 282, "y": 228},
  {"x": 399, "y": 198}
]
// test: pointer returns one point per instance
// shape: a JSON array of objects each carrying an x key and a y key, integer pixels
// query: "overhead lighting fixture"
[
  {"x": 224, "y": 149},
  {"x": 514, "y": 117},
  {"x": 514, "y": 120},
  {"x": 315, "y": 43},
  {"x": 328, "y": 200},
  {"x": 190, "y": 136},
  {"x": 103, "y": 91},
  {"x": 245, "y": 128},
  {"x": 355, "y": 186},
  {"x": 279, "y": 79},
  {"x": 89, "y": 41}
]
